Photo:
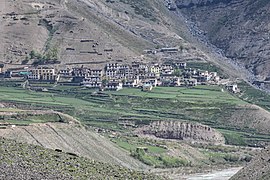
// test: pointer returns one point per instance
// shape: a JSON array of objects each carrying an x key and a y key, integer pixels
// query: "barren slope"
[
  {"x": 251, "y": 116},
  {"x": 72, "y": 138},
  {"x": 92, "y": 32},
  {"x": 24, "y": 161},
  {"x": 258, "y": 169}
]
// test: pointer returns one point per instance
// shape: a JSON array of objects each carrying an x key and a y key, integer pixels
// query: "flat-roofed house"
[
  {"x": 181, "y": 65},
  {"x": 155, "y": 68},
  {"x": 131, "y": 82},
  {"x": 65, "y": 72},
  {"x": 96, "y": 72},
  {"x": 114, "y": 86},
  {"x": 81, "y": 72},
  {"x": 92, "y": 82},
  {"x": 171, "y": 81},
  {"x": 189, "y": 82},
  {"x": 43, "y": 73}
]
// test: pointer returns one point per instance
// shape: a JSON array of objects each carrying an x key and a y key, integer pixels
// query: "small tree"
[
  {"x": 177, "y": 72},
  {"x": 104, "y": 82},
  {"x": 52, "y": 54},
  {"x": 33, "y": 54}
]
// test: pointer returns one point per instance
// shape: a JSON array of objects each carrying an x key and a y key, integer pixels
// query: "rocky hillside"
[
  {"x": 239, "y": 28},
  {"x": 182, "y": 131},
  {"x": 259, "y": 168},
  {"x": 23, "y": 161},
  {"x": 72, "y": 138},
  {"x": 93, "y": 32}
]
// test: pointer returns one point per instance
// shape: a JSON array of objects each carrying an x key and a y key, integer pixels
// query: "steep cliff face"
[
  {"x": 182, "y": 131},
  {"x": 238, "y": 27}
]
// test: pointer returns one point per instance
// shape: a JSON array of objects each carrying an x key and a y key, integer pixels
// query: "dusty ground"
[
  {"x": 259, "y": 168},
  {"x": 114, "y": 30},
  {"x": 72, "y": 138},
  {"x": 251, "y": 116},
  {"x": 24, "y": 161},
  {"x": 214, "y": 175}
]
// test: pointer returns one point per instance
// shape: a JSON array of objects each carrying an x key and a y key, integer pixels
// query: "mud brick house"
[
  {"x": 43, "y": 74},
  {"x": 114, "y": 86}
]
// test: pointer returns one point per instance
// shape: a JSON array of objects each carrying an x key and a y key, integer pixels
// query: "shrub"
[
  {"x": 231, "y": 158},
  {"x": 159, "y": 161}
]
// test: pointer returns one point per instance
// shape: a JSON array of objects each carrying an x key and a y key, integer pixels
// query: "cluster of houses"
[{"x": 115, "y": 76}]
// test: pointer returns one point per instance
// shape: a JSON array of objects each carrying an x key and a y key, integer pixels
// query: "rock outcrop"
[{"x": 182, "y": 131}]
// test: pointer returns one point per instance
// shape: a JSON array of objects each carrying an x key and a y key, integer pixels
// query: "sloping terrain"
[
  {"x": 117, "y": 115},
  {"x": 23, "y": 161},
  {"x": 259, "y": 168},
  {"x": 14, "y": 116},
  {"x": 45, "y": 26},
  {"x": 111, "y": 110},
  {"x": 92, "y": 32},
  {"x": 250, "y": 116},
  {"x": 238, "y": 27},
  {"x": 72, "y": 138}
]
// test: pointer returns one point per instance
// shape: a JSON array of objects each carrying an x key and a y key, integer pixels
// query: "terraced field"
[{"x": 205, "y": 104}]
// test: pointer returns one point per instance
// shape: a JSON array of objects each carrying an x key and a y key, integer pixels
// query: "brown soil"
[{"x": 72, "y": 138}]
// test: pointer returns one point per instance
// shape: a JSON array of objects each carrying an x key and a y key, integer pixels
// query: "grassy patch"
[
  {"x": 234, "y": 138},
  {"x": 149, "y": 152},
  {"x": 158, "y": 160},
  {"x": 22, "y": 118},
  {"x": 204, "y": 104},
  {"x": 254, "y": 96},
  {"x": 131, "y": 144}
]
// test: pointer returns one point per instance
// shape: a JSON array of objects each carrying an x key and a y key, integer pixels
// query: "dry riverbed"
[{"x": 214, "y": 175}]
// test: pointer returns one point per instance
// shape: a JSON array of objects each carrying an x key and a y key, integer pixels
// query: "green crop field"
[
  {"x": 204, "y": 94},
  {"x": 205, "y": 104},
  {"x": 131, "y": 144}
]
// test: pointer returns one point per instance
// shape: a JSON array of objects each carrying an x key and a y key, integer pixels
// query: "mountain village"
[{"x": 115, "y": 76}]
